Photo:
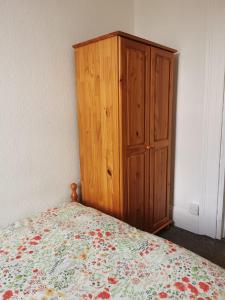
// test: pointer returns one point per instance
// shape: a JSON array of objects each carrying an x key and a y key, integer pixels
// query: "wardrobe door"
[
  {"x": 135, "y": 72},
  {"x": 160, "y": 135}
]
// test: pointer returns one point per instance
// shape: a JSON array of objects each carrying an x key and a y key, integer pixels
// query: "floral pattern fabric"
[{"x": 76, "y": 252}]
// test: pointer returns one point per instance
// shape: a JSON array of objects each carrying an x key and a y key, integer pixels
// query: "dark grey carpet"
[{"x": 213, "y": 250}]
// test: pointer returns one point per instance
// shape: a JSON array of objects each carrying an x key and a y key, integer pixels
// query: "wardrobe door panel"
[
  {"x": 160, "y": 135},
  {"x": 161, "y": 100},
  {"x": 135, "y": 189},
  {"x": 160, "y": 185},
  {"x": 135, "y": 72},
  {"x": 135, "y": 97}
]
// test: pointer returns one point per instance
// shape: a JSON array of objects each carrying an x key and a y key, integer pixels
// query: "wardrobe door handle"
[{"x": 148, "y": 147}]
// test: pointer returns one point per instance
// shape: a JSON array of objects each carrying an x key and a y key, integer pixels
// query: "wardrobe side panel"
[{"x": 97, "y": 89}]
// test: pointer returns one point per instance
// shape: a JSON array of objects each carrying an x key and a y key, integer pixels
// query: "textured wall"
[{"x": 38, "y": 127}]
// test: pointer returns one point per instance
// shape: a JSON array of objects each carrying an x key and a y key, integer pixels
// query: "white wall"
[
  {"x": 210, "y": 218},
  {"x": 38, "y": 133},
  {"x": 195, "y": 29}
]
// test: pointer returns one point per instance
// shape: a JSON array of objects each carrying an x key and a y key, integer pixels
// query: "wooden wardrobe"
[{"x": 124, "y": 87}]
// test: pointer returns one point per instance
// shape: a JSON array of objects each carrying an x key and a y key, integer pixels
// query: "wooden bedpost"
[{"x": 74, "y": 195}]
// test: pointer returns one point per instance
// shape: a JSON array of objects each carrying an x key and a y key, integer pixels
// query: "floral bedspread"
[{"x": 75, "y": 252}]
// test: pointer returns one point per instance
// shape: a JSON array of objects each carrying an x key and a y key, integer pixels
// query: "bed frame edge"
[{"x": 74, "y": 196}]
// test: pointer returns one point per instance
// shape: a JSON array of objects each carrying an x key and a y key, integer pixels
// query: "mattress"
[{"x": 76, "y": 252}]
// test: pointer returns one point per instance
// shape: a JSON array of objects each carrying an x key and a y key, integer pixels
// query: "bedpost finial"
[{"x": 74, "y": 195}]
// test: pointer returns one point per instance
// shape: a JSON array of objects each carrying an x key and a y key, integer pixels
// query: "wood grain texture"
[
  {"x": 136, "y": 65},
  {"x": 160, "y": 207},
  {"x": 135, "y": 208},
  {"x": 74, "y": 196},
  {"x": 160, "y": 135},
  {"x": 98, "y": 117},
  {"x": 127, "y": 36},
  {"x": 135, "y": 76},
  {"x": 124, "y": 91}
]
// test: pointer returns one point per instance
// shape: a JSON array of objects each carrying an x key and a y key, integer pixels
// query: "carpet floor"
[{"x": 213, "y": 250}]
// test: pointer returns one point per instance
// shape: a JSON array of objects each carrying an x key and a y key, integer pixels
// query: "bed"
[{"x": 76, "y": 252}]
